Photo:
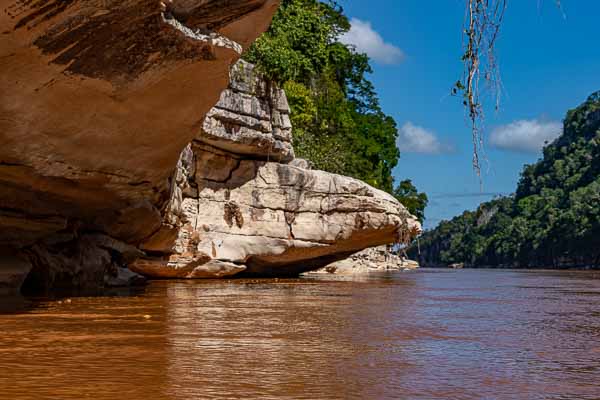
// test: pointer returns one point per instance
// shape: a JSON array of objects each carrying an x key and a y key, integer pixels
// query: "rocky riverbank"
[
  {"x": 374, "y": 259},
  {"x": 102, "y": 184}
]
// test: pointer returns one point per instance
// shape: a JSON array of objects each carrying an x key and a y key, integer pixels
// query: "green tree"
[
  {"x": 415, "y": 202},
  {"x": 338, "y": 122},
  {"x": 554, "y": 218}
]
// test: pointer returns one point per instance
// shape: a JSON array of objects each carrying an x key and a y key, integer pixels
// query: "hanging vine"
[{"x": 483, "y": 19}]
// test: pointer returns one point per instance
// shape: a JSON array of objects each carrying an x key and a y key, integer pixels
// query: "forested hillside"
[
  {"x": 338, "y": 122},
  {"x": 552, "y": 220}
]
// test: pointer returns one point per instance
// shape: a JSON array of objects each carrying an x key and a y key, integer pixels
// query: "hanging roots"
[{"x": 483, "y": 19}]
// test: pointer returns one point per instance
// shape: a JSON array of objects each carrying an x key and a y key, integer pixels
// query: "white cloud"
[
  {"x": 525, "y": 135},
  {"x": 416, "y": 139},
  {"x": 367, "y": 40}
]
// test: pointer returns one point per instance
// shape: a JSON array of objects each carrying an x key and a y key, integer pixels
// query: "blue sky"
[{"x": 549, "y": 64}]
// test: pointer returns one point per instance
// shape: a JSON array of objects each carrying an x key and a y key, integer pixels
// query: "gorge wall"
[{"x": 97, "y": 101}]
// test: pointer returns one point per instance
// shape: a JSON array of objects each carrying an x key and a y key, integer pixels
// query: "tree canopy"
[
  {"x": 414, "y": 201},
  {"x": 338, "y": 122}
]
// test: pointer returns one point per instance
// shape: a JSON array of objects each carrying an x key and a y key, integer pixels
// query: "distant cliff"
[{"x": 552, "y": 220}]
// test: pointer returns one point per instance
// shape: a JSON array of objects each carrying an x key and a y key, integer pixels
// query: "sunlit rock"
[{"x": 238, "y": 210}]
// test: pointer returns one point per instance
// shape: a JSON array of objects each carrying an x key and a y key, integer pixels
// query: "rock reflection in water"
[
  {"x": 299, "y": 339},
  {"x": 422, "y": 335}
]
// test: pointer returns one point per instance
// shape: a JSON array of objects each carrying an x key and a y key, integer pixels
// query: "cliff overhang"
[{"x": 114, "y": 153}]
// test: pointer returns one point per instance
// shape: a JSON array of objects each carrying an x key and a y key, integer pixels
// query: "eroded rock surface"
[
  {"x": 374, "y": 259},
  {"x": 251, "y": 118},
  {"x": 237, "y": 210},
  {"x": 97, "y": 100},
  {"x": 268, "y": 218},
  {"x": 72, "y": 262},
  {"x": 122, "y": 277}
]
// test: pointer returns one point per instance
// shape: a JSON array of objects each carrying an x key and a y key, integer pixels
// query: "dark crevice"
[
  {"x": 20, "y": 212},
  {"x": 239, "y": 111},
  {"x": 297, "y": 211},
  {"x": 290, "y": 217},
  {"x": 215, "y": 15},
  {"x": 12, "y": 164},
  {"x": 140, "y": 183},
  {"x": 229, "y": 176}
]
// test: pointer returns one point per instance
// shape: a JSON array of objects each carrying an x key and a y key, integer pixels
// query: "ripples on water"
[{"x": 467, "y": 334}]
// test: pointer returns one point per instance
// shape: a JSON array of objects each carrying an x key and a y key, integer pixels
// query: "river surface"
[{"x": 430, "y": 334}]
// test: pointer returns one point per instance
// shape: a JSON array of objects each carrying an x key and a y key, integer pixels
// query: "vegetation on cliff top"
[
  {"x": 552, "y": 220},
  {"x": 338, "y": 122}
]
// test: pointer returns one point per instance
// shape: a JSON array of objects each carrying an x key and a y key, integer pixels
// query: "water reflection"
[
  {"x": 301, "y": 338},
  {"x": 425, "y": 335}
]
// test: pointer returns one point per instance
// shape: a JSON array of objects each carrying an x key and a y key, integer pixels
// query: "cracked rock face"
[
  {"x": 251, "y": 118},
  {"x": 237, "y": 210},
  {"x": 264, "y": 218}
]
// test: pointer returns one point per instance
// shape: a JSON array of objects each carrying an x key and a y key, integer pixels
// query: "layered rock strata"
[
  {"x": 239, "y": 210},
  {"x": 252, "y": 118}
]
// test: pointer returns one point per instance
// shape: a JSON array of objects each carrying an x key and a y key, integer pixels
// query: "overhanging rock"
[{"x": 97, "y": 100}]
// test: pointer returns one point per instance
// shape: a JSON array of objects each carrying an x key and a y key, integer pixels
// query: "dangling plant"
[{"x": 483, "y": 19}]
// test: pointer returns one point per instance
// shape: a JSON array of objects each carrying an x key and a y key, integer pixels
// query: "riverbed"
[{"x": 428, "y": 334}]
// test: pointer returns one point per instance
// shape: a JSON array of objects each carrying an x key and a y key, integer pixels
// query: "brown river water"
[{"x": 429, "y": 334}]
